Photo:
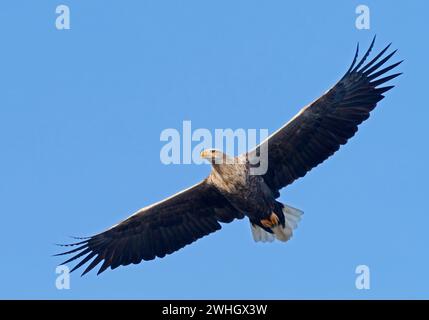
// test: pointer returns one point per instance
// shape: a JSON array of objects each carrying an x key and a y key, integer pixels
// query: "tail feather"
[
  {"x": 292, "y": 218},
  {"x": 260, "y": 235}
]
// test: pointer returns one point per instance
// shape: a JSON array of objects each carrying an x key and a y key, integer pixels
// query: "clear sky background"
[{"x": 81, "y": 112}]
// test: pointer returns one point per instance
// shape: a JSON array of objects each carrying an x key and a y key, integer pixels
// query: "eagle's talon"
[
  {"x": 266, "y": 223},
  {"x": 271, "y": 222},
  {"x": 274, "y": 219}
]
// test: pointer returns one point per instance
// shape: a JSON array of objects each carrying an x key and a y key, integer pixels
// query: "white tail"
[
  {"x": 260, "y": 235},
  {"x": 292, "y": 217}
]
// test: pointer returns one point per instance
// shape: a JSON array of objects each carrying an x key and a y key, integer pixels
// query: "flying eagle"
[{"x": 231, "y": 192}]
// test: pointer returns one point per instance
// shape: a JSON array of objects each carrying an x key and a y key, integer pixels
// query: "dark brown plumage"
[
  {"x": 320, "y": 128},
  {"x": 157, "y": 230},
  {"x": 231, "y": 192}
]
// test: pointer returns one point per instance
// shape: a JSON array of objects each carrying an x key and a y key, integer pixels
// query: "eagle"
[{"x": 232, "y": 192}]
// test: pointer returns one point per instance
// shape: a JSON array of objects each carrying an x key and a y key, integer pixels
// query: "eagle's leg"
[{"x": 272, "y": 221}]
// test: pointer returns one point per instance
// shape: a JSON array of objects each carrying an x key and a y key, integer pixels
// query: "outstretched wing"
[
  {"x": 157, "y": 230},
  {"x": 320, "y": 128}
]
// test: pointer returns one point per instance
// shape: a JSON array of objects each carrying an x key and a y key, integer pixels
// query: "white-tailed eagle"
[{"x": 231, "y": 192}]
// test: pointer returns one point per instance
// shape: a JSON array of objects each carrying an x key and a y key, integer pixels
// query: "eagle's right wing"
[{"x": 157, "y": 230}]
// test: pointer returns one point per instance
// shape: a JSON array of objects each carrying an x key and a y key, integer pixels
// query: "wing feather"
[
  {"x": 320, "y": 128},
  {"x": 156, "y": 230}
]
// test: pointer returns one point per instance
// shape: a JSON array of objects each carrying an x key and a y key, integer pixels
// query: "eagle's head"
[{"x": 214, "y": 156}]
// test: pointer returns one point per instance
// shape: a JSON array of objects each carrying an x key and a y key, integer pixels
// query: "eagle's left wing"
[
  {"x": 157, "y": 230},
  {"x": 320, "y": 128}
]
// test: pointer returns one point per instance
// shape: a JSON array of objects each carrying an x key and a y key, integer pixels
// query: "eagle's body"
[
  {"x": 246, "y": 192},
  {"x": 232, "y": 191}
]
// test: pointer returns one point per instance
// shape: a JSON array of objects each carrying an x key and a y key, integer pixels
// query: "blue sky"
[{"x": 81, "y": 112}]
